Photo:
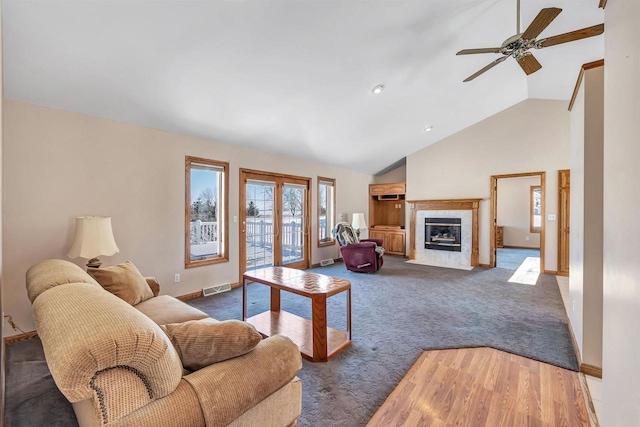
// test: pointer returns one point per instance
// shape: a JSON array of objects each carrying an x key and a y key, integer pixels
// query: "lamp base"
[
  {"x": 94, "y": 263},
  {"x": 358, "y": 233}
]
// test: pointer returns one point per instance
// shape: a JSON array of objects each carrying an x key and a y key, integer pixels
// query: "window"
[
  {"x": 326, "y": 210},
  {"x": 535, "y": 222},
  {"x": 206, "y": 188}
]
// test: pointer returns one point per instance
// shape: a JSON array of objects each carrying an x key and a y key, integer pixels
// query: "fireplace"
[{"x": 443, "y": 234}]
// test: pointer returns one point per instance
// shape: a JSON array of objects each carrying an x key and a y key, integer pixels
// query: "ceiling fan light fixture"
[{"x": 377, "y": 89}]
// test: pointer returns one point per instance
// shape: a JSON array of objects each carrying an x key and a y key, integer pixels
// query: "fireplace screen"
[{"x": 442, "y": 234}]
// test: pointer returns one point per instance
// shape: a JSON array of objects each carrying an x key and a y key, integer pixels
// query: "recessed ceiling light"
[
  {"x": 377, "y": 89},
  {"x": 428, "y": 128}
]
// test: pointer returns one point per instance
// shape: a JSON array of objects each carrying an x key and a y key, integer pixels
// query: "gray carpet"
[
  {"x": 397, "y": 313},
  {"x": 511, "y": 258}
]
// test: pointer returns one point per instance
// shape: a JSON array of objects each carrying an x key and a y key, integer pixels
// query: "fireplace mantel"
[{"x": 446, "y": 204}]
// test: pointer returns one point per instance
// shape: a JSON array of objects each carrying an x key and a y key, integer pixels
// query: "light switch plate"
[{"x": 551, "y": 217}]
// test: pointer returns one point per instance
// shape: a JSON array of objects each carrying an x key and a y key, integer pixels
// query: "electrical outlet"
[
  {"x": 176, "y": 278},
  {"x": 526, "y": 238}
]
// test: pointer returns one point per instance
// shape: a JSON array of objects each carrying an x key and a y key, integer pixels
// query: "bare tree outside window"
[
  {"x": 204, "y": 208},
  {"x": 292, "y": 200}
]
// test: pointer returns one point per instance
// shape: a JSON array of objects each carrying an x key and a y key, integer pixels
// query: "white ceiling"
[{"x": 290, "y": 77}]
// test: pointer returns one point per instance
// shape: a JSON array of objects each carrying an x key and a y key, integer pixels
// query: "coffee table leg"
[
  {"x": 349, "y": 314},
  {"x": 275, "y": 299},
  {"x": 244, "y": 298},
  {"x": 319, "y": 321}
]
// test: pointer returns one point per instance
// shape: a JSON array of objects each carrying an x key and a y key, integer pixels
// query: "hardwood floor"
[{"x": 483, "y": 387}]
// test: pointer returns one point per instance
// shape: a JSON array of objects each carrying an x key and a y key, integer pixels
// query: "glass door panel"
[
  {"x": 294, "y": 226},
  {"x": 260, "y": 220}
]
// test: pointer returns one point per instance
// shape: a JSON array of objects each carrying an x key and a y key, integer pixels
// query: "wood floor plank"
[
  {"x": 483, "y": 387},
  {"x": 493, "y": 371},
  {"x": 523, "y": 399}
]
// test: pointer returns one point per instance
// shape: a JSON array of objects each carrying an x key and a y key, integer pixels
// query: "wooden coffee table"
[{"x": 317, "y": 342}]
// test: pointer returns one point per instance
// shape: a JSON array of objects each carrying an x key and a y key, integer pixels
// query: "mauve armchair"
[{"x": 365, "y": 256}]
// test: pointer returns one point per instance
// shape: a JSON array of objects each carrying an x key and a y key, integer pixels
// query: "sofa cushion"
[
  {"x": 243, "y": 382},
  {"x": 124, "y": 281},
  {"x": 165, "y": 309},
  {"x": 203, "y": 342}
]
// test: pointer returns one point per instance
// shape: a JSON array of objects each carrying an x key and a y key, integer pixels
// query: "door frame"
[
  {"x": 494, "y": 213},
  {"x": 563, "y": 212},
  {"x": 242, "y": 214}
]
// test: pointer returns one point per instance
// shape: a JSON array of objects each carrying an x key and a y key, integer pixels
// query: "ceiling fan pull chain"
[{"x": 518, "y": 17}]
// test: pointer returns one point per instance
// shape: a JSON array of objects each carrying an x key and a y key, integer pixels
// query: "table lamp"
[
  {"x": 94, "y": 237},
  {"x": 358, "y": 222}
]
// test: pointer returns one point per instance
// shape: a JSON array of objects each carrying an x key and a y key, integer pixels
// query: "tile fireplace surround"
[{"x": 467, "y": 210}]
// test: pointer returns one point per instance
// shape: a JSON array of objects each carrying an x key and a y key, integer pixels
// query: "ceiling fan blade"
[
  {"x": 584, "y": 33},
  {"x": 541, "y": 22},
  {"x": 485, "y": 69},
  {"x": 529, "y": 64},
  {"x": 483, "y": 50}
]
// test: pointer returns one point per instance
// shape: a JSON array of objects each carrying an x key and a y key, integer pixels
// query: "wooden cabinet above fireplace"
[
  {"x": 387, "y": 191},
  {"x": 387, "y": 216}
]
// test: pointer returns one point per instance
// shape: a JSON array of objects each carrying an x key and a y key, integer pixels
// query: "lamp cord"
[{"x": 12, "y": 324}]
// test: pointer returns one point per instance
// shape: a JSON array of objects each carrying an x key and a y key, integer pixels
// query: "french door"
[{"x": 274, "y": 220}]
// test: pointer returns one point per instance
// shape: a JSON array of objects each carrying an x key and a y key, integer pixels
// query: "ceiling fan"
[{"x": 518, "y": 45}]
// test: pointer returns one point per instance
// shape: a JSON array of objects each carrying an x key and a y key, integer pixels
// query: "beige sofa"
[{"x": 117, "y": 367}]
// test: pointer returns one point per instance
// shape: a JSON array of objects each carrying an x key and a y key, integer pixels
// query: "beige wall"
[
  {"x": 585, "y": 280},
  {"x": 531, "y": 136},
  {"x": 398, "y": 174},
  {"x": 59, "y": 165},
  {"x": 621, "y": 335},
  {"x": 514, "y": 207}
]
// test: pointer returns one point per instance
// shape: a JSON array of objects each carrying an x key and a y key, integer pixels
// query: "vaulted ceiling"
[{"x": 290, "y": 77}]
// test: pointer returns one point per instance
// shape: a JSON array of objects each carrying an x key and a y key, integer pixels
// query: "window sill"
[{"x": 216, "y": 260}]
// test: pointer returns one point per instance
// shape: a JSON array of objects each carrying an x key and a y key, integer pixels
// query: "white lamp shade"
[
  {"x": 94, "y": 237},
  {"x": 359, "y": 222}
]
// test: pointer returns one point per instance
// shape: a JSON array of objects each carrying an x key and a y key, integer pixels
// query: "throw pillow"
[
  {"x": 348, "y": 237},
  {"x": 345, "y": 234},
  {"x": 124, "y": 281},
  {"x": 203, "y": 342}
]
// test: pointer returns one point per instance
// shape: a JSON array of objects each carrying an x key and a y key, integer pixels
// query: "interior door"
[
  {"x": 274, "y": 221},
  {"x": 564, "y": 187}
]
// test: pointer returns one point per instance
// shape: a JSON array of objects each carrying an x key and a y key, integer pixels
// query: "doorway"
[
  {"x": 274, "y": 219},
  {"x": 522, "y": 238}
]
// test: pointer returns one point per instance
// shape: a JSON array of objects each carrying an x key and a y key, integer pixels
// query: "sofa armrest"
[
  {"x": 87, "y": 332},
  {"x": 154, "y": 285},
  {"x": 228, "y": 389}
]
